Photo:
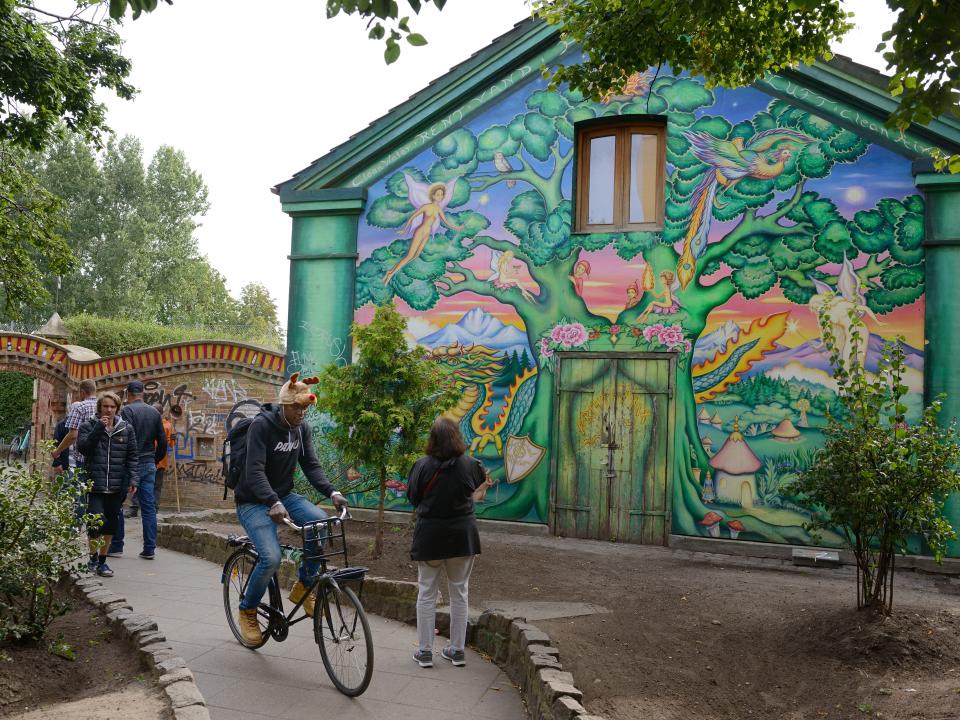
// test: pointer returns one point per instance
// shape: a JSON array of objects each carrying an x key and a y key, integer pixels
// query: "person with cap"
[
  {"x": 151, "y": 448},
  {"x": 277, "y": 441},
  {"x": 164, "y": 464}
]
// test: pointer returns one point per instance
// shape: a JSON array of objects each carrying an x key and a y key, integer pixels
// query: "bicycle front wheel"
[
  {"x": 346, "y": 647},
  {"x": 236, "y": 575}
]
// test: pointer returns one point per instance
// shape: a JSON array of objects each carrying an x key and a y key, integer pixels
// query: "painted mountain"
[
  {"x": 812, "y": 354},
  {"x": 708, "y": 345},
  {"x": 477, "y": 327}
]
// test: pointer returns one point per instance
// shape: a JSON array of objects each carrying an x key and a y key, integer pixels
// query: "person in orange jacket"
[{"x": 166, "y": 417}]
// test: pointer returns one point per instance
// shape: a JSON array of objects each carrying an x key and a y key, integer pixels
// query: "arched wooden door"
[{"x": 613, "y": 444}]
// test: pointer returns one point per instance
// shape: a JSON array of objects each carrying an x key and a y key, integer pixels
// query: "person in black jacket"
[
  {"x": 152, "y": 448},
  {"x": 277, "y": 441},
  {"x": 441, "y": 487},
  {"x": 109, "y": 446}
]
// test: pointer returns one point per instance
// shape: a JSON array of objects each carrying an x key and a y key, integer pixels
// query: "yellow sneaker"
[
  {"x": 250, "y": 626},
  {"x": 297, "y": 592}
]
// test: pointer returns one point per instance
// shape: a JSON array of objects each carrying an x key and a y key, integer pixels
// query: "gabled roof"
[{"x": 817, "y": 87}]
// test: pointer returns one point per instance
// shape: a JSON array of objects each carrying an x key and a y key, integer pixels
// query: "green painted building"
[{"x": 632, "y": 293}]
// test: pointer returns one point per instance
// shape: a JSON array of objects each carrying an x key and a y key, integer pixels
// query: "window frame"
[{"x": 621, "y": 127}]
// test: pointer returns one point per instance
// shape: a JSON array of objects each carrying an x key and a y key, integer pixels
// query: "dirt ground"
[
  {"x": 693, "y": 635},
  {"x": 105, "y": 680}
]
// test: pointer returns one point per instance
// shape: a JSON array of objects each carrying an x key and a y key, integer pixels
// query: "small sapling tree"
[
  {"x": 878, "y": 480},
  {"x": 383, "y": 404}
]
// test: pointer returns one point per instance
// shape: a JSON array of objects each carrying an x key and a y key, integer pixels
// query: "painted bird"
[
  {"x": 729, "y": 162},
  {"x": 501, "y": 163}
]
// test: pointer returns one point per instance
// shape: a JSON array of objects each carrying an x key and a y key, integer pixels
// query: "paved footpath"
[{"x": 287, "y": 680}]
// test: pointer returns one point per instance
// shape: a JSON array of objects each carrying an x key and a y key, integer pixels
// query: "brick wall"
[
  {"x": 209, "y": 400},
  {"x": 49, "y": 407}
]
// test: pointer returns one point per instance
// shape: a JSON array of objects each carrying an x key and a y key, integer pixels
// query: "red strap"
[{"x": 429, "y": 487}]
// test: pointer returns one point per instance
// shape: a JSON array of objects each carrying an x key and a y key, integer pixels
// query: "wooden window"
[{"x": 620, "y": 177}]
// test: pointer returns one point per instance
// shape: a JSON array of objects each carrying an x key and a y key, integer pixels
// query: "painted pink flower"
[
  {"x": 687, "y": 346},
  {"x": 652, "y": 331},
  {"x": 545, "y": 350},
  {"x": 614, "y": 329},
  {"x": 557, "y": 333},
  {"x": 671, "y": 336}
]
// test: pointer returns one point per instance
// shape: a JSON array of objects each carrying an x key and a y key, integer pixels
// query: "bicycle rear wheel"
[
  {"x": 236, "y": 575},
  {"x": 343, "y": 634}
]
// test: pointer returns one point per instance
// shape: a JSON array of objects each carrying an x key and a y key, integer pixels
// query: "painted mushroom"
[
  {"x": 398, "y": 488},
  {"x": 735, "y": 527},
  {"x": 711, "y": 521}
]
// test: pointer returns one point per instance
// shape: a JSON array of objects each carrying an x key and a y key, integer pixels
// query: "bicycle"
[{"x": 340, "y": 625}]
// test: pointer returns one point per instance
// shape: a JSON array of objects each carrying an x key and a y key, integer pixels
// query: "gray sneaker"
[
  {"x": 103, "y": 570},
  {"x": 424, "y": 658},
  {"x": 455, "y": 656}
]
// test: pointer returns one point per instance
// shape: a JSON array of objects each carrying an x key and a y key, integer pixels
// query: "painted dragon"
[{"x": 475, "y": 368}]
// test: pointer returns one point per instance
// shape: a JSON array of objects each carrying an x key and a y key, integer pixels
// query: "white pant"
[{"x": 458, "y": 578}]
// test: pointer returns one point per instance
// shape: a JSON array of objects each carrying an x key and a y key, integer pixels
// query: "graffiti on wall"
[{"x": 774, "y": 217}]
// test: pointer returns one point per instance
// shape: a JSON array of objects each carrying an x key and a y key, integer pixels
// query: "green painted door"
[{"x": 614, "y": 436}]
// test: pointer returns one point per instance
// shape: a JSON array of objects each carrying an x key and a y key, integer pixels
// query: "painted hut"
[
  {"x": 716, "y": 420},
  {"x": 786, "y": 431},
  {"x": 736, "y": 466},
  {"x": 703, "y": 416}
]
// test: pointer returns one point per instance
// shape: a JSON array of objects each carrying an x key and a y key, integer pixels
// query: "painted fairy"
[
  {"x": 504, "y": 273},
  {"x": 664, "y": 303},
  {"x": 633, "y": 295},
  {"x": 429, "y": 201},
  {"x": 581, "y": 271},
  {"x": 843, "y": 310}
]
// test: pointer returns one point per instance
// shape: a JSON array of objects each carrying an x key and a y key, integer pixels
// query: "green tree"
[
  {"x": 895, "y": 476},
  {"x": 132, "y": 229},
  {"x": 31, "y": 245},
  {"x": 258, "y": 311},
  {"x": 384, "y": 403},
  {"x": 786, "y": 243},
  {"x": 16, "y": 402}
]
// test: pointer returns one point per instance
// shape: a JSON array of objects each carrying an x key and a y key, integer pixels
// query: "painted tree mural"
[{"x": 745, "y": 182}]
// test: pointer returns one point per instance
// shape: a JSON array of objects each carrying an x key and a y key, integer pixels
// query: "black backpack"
[{"x": 235, "y": 454}]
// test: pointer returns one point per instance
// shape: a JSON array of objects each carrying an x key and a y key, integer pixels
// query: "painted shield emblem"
[{"x": 521, "y": 456}]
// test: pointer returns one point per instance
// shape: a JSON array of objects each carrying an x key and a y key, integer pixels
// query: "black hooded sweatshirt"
[{"x": 273, "y": 451}]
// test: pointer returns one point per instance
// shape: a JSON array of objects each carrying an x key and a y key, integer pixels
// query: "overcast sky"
[{"x": 254, "y": 94}]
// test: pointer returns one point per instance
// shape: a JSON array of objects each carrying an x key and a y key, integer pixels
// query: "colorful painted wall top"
[{"x": 776, "y": 220}]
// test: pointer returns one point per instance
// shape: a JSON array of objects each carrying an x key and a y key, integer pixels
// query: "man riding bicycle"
[{"x": 276, "y": 442}]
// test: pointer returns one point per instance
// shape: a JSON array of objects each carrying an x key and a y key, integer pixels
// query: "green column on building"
[
  {"x": 323, "y": 262},
  {"x": 941, "y": 329}
]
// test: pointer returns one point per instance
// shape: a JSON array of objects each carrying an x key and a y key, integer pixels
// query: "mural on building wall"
[{"x": 773, "y": 217}]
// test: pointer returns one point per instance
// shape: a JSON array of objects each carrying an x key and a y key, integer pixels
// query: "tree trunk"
[{"x": 378, "y": 537}]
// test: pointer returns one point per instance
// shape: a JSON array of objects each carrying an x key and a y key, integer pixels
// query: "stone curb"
[
  {"x": 524, "y": 652},
  {"x": 168, "y": 669}
]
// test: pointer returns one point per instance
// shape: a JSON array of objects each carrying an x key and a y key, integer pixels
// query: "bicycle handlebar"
[{"x": 344, "y": 515}]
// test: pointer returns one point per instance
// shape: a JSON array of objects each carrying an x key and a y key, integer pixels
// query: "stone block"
[
  {"x": 178, "y": 675},
  {"x": 155, "y": 658},
  {"x": 183, "y": 693},
  {"x": 532, "y": 636},
  {"x": 551, "y": 675},
  {"x": 145, "y": 639},
  {"x": 567, "y": 708},
  {"x": 543, "y": 650},
  {"x": 553, "y": 689},
  {"x": 138, "y": 623},
  {"x": 170, "y": 665}
]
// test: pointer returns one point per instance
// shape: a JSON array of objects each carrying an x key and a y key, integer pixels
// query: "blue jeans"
[
  {"x": 262, "y": 531},
  {"x": 148, "y": 511}
]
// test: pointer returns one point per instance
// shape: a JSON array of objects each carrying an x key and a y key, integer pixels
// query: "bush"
[
  {"x": 16, "y": 402},
  {"x": 878, "y": 480},
  {"x": 108, "y": 336},
  {"x": 39, "y": 540}
]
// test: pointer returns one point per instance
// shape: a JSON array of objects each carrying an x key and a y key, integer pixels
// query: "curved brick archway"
[{"x": 211, "y": 381}]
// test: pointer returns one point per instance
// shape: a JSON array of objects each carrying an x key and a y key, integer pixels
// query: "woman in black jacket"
[
  {"x": 441, "y": 487},
  {"x": 109, "y": 447}
]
